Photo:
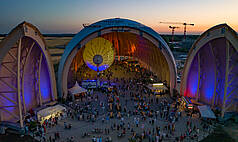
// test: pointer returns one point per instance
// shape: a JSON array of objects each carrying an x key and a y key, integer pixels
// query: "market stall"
[
  {"x": 206, "y": 112},
  {"x": 76, "y": 91},
  {"x": 157, "y": 88},
  {"x": 49, "y": 112}
]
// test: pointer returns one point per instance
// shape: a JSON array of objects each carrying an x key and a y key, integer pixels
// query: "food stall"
[
  {"x": 157, "y": 88},
  {"x": 52, "y": 111}
]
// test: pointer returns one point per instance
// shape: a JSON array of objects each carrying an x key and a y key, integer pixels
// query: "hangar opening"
[{"x": 115, "y": 40}]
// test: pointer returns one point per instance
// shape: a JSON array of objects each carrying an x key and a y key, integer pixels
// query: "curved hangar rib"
[
  {"x": 27, "y": 77},
  {"x": 210, "y": 72}
]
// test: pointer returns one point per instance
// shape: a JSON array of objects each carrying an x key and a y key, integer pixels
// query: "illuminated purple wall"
[
  {"x": 30, "y": 79},
  {"x": 30, "y": 87},
  {"x": 45, "y": 82},
  {"x": 192, "y": 80},
  {"x": 207, "y": 67}
]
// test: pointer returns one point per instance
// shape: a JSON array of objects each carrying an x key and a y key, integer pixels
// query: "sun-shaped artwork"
[{"x": 98, "y": 54}]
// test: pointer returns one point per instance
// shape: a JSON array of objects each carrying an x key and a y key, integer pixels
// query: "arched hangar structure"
[
  {"x": 27, "y": 77},
  {"x": 211, "y": 72},
  {"x": 129, "y": 38}
]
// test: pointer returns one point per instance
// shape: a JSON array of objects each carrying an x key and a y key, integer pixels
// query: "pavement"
[{"x": 80, "y": 127}]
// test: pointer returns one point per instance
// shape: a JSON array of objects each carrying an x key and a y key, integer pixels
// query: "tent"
[
  {"x": 48, "y": 112},
  {"x": 157, "y": 89},
  {"x": 206, "y": 112},
  {"x": 76, "y": 89}
]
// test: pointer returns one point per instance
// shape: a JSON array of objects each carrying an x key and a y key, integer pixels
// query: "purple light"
[{"x": 100, "y": 68}]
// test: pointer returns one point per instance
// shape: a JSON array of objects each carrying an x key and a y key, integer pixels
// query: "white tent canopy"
[
  {"x": 206, "y": 112},
  {"x": 46, "y": 113},
  {"x": 157, "y": 86},
  {"x": 76, "y": 89}
]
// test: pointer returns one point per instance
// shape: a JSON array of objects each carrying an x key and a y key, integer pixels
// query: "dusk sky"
[{"x": 67, "y": 16}]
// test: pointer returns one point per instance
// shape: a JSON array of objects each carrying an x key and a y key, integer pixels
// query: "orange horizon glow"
[
  {"x": 197, "y": 29},
  {"x": 68, "y": 16},
  {"x": 162, "y": 28}
]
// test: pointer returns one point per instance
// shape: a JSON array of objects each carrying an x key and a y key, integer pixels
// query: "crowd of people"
[
  {"x": 137, "y": 112},
  {"x": 130, "y": 111}
]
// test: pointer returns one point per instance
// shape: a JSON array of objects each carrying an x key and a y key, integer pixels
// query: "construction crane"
[
  {"x": 172, "y": 28},
  {"x": 185, "y": 26}
]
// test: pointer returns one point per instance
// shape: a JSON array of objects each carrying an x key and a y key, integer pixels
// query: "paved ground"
[
  {"x": 222, "y": 135},
  {"x": 232, "y": 130},
  {"x": 80, "y": 127},
  {"x": 16, "y": 138}
]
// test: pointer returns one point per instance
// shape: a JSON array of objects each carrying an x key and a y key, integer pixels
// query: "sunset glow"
[{"x": 59, "y": 16}]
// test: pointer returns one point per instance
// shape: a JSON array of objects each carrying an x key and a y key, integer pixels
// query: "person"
[
  {"x": 122, "y": 119},
  {"x": 128, "y": 126},
  {"x": 197, "y": 131},
  {"x": 110, "y": 139},
  {"x": 26, "y": 129},
  {"x": 94, "y": 139},
  {"x": 105, "y": 130},
  {"x": 142, "y": 126},
  {"x": 124, "y": 131},
  {"x": 100, "y": 139},
  {"x": 50, "y": 139},
  {"x": 132, "y": 130},
  {"x": 65, "y": 125},
  {"x": 181, "y": 138},
  {"x": 44, "y": 129},
  {"x": 72, "y": 139},
  {"x": 157, "y": 138},
  {"x": 55, "y": 135},
  {"x": 97, "y": 139},
  {"x": 142, "y": 135},
  {"x": 44, "y": 138}
]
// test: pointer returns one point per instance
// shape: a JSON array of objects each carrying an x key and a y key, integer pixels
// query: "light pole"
[{"x": 97, "y": 59}]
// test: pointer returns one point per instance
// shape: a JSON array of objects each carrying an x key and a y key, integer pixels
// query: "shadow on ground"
[
  {"x": 16, "y": 138},
  {"x": 219, "y": 135}
]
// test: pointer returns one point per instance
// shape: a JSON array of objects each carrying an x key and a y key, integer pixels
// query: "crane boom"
[{"x": 181, "y": 23}]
